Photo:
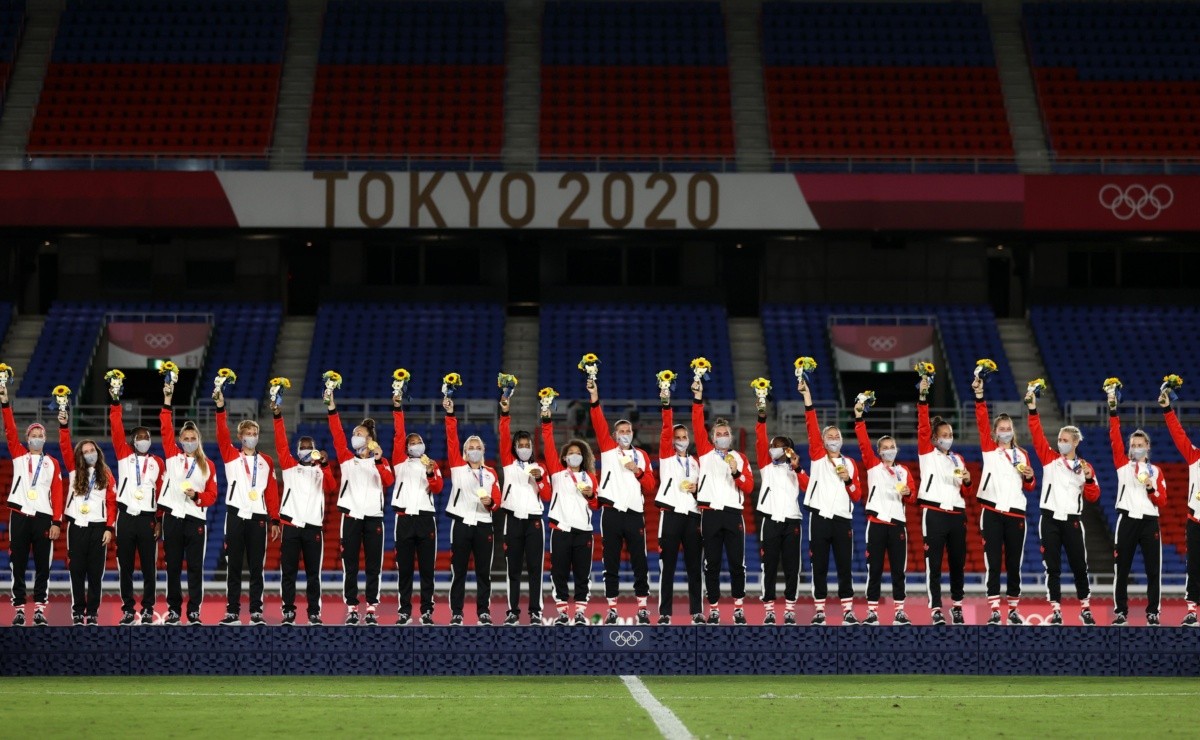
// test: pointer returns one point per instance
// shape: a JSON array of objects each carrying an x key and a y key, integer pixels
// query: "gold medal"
[
  {"x": 425, "y": 459},
  {"x": 84, "y": 508},
  {"x": 482, "y": 493},
  {"x": 186, "y": 486},
  {"x": 139, "y": 496},
  {"x": 960, "y": 473},
  {"x": 32, "y": 495},
  {"x": 840, "y": 469},
  {"x": 685, "y": 485},
  {"x": 1144, "y": 478},
  {"x": 582, "y": 486},
  {"x": 1022, "y": 468},
  {"x": 729, "y": 458},
  {"x": 253, "y": 494},
  {"x": 900, "y": 487}
]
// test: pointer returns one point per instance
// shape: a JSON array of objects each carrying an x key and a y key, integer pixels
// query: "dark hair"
[
  {"x": 138, "y": 430},
  {"x": 936, "y": 423},
  {"x": 786, "y": 441},
  {"x": 369, "y": 425},
  {"x": 589, "y": 460},
  {"x": 681, "y": 426},
  {"x": 304, "y": 439},
  {"x": 721, "y": 421},
  {"x": 517, "y": 437},
  {"x": 411, "y": 435},
  {"x": 80, "y": 488}
]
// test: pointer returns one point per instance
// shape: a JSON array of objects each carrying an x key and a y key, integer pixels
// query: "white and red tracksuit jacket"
[
  {"x": 37, "y": 479},
  {"x": 139, "y": 477},
  {"x": 183, "y": 472},
  {"x": 249, "y": 477},
  {"x": 304, "y": 486},
  {"x": 885, "y": 504},
  {"x": 101, "y": 497},
  {"x": 1135, "y": 499},
  {"x": 1003, "y": 488},
  {"x": 1064, "y": 488}
]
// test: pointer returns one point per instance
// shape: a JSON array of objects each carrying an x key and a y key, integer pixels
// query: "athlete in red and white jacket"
[
  {"x": 679, "y": 518},
  {"x": 572, "y": 497},
  {"x": 1192, "y": 456},
  {"x": 522, "y": 507},
  {"x": 418, "y": 480},
  {"x": 779, "y": 540},
  {"x": 251, "y": 505},
  {"x": 307, "y": 477},
  {"x": 91, "y": 512},
  {"x": 1141, "y": 491},
  {"x": 35, "y": 518},
  {"x": 139, "y": 478}
]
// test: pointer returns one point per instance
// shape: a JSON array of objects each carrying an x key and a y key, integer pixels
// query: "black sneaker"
[
  {"x": 230, "y": 619},
  {"x": 127, "y": 619},
  {"x": 714, "y": 616},
  {"x": 1056, "y": 617},
  {"x": 370, "y": 618},
  {"x": 872, "y": 618},
  {"x": 789, "y": 617},
  {"x": 1120, "y": 620},
  {"x": 77, "y": 620},
  {"x": 936, "y": 618},
  {"x": 511, "y": 619},
  {"x": 769, "y": 618},
  {"x": 19, "y": 618},
  {"x": 92, "y": 620},
  {"x": 172, "y": 619},
  {"x": 39, "y": 618},
  {"x": 1152, "y": 620},
  {"x": 484, "y": 618},
  {"x": 535, "y": 619},
  {"x": 1085, "y": 617},
  {"x": 956, "y": 615},
  {"x": 426, "y": 618},
  {"x": 664, "y": 619},
  {"x": 697, "y": 618},
  {"x": 193, "y": 619},
  {"x": 403, "y": 619},
  {"x": 562, "y": 620},
  {"x": 611, "y": 617},
  {"x": 147, "y": 616},
  {"x": 289, "y": 617},
  {"x": 739, "y": 616},
  {"x": 456, "y": 620},
  {"x": 314, "y": 620},
  {"x": 995, "y": 618},
  {"x": 352, "y": 618},
  {"x": 901, "y": 618},
  {"x": 256, "y": 619},
  {"x": 1014, "y": 618},
  {"x": 1189, "y": 620},
  {"x": 580, "y": 619},
  {"x": 818, "y": 617},
  {"x": 848, "y": 618},
  {"x": 643, "y": 616}
]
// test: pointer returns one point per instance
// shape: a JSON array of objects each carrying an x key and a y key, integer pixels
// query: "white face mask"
[
  {"x": 776, "y": 453},
  {"x": 524, "y": 453},
  {"x": 723, "y": 443},
  {"x": 189, "y": 447},
  {"x": 574, "y": 460},
  {"x": 624, "y": 439},
  {"x": 889, "y": 456},
  {"x": 142, "y": 446},
  {"x": 250, "y": 442},
  {"x": 833, "y": 445},
  {"x": 1138, "y": 453},
  {"x": 90, "y": 458},
  {"x": 474, "y": 456},
  {"x": 945, "y": 443},
  {"x": 358, "y": 442},
  {"x": 304, "y": 455},
  {"x": 1004, "y": 437},
  {"x": 1064, "y": 448},
  {"x": 416, "y": 450},
  {"x": 681, "y": 446},
  {"x": 35, "y": 444}
]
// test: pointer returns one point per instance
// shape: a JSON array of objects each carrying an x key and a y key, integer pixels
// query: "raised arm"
[
  {"x": 339, "y": 437},
  {"x": 924, "y": 431},
  {"x": 1120, "y": 459},
  {"x": 399, "y": 437},
  {"x": 66, "y": 448},
  {"x": 762, "y": 443},
  {"x": 704, "y": 445},
  {"x": 453, "y": 447},
  {"x": 816, "y": 445},
  {"x": 166, "y": 427},
  {"x": 505, "y": 440},
  {"x": 666, "y": 441},
  {"x": 229, "y": 453},
  {"x": 282, "y": 450},
  {"x": 604, "y": 440},
  {"x": 116, "y": 420},
  {"x": 549, "y": 449},
  {"x": 1041, "y": 445},
  {"x": 870, "y": 459},
  {"x": 15, "y": 448},
  {"x": 984, "y": 423},
  {"x": 1179, "y": 436}
]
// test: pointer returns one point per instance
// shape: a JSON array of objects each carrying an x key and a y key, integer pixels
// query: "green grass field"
[{"x": 758, "y": 706}]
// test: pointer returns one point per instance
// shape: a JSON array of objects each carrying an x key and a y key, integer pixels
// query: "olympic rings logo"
[
  {"x": 1136, "y": 200},
  {"x": 881, "y": 344},
  {"x": 159, "y": 341},
  {"x": 626, "y": 638}
]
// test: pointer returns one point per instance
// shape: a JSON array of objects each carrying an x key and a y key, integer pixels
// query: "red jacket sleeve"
[
  {"x": 271, "y": 492},
  {"x": 1159, "y": 496},
  {"x": 110, "y": 501},
  {"x": 339, "y": 438},
  {"x": 1091, "y": 490},
  {"x": 745, "y": 481},
  {"x": 505, "y": 440},
  {"x": 1118, "y": 443},
  {"x": 802, "y": 477},
  {"x": 229, "y": 453},
  {"x": 328, "y": 484},
  {"x": 162, "y": 471},
  {"x": 986, "y": 443},
  {"x": 166, "y": 427},
  {"x": 1180, "y": 438},
  {"x": 436, "y": 481},
  {"x": 856, "y": 480},
  {"x": 914, "y": 485},
  {"x": 604, "y": 440},
  {"x": 1041, "y": 445},
  {"x": 66, "y": 449},
  {"x": 116, "y": 420},
  {"x": 648, "y": 482},
  {"x": 762, "y": 444},
  {"x": 870, "y": 459},
  {"x": 57, "y": 493},
  {"x": 967, "y": 488},
  {"x": 594, "y": 501},
  {"x": 924, "y": 431},
  {"x": 208, "y": 496},
  {"x": 1029, "y": 485},
  {"x": 453, "y": 446},
  {"x": 386, "y": 476},
  {"x": 666, "y": 443},
  {"x": 816, "y": 445},
  {"x": 496, "y": 494},
  {"x": 399, "y": 437},
  {"x": 553, "y": 464},
  {"x": 15, "y": 448},
  {"x": 282, "y": 450},
  {"x": 704, "y": 445},
  {"x": 544, "y": 489}
]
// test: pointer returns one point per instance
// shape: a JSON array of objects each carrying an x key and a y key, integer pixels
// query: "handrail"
[{"x": 1133, "y": 413}]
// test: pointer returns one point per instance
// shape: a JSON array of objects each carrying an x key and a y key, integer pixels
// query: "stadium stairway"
[
  {"x": 522, "y": 85},
  {"x": 291, "y": 362},
  {"x": 29, "y": 71},
  {"x": 1016, "y": 80},
  {"x": 19, "y": 343},
  {"x": 521, "y": 335},
  {"x": 749, "y": 361},
  {"x": 1026, "y": 363},
  {"x": 296, "y": 84},
  {"x": 746, "y": 84}
]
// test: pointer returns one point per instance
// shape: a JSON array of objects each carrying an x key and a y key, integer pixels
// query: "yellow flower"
[
  {"x": 1113, "y": 383},
  {"x": 986, "y": 364},
  {"x": 924, "y": 368},
  {"x": 284, "y": 382},
  {"x": 547, "y": 392},
  {"x": 701, "y": 363},
  {"x": 868, "y": 397},
  {"x": 4, "y": 368},
  {"x": 114, "y": 373},
  {"x": 1173, "y": 381},
  {"x": 168, "y": 367},
  {"x": 229, "y": 375},
  {"x": 401, "y": 375},
  {"x": 589, "y": 359},
  {"x": 1037, "y": 384},
  {"x": 760, "y": 384},
  {"x": 665, "y": 376},
  {"x": 504, "y": 380},
  {"x": 332, "y": 376},
  {"x": 60, "y": 390},
  {"x": 452, "y": 379},
  {"x": 807, "y": 364}
]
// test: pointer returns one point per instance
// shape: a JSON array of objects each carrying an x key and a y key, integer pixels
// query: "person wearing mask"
[
  {"x": 1141, "y": 492},
  {"x": 944, "y": 481},
  {"x": 889, "y": 488},
  {"x": 35, "y": 519},
  {"x": 189, "y": 488},
  {"x": 1007, "y": 480},
  {"x": 779, "y": 537},
  {"x": 306, "y": 478},
  {"x": 1067, "y": 481},
  {"x": 679, "y": 517},
  {"x": 418, "y": 480},
  {"x": 474, "y": 495},
  {"x": 832, "y": 491},
  {"x": 627, "y": 479},
  {"x": 91, "y": 512},
  {"x": 521, "y": 508},
  {"x": 251, "y": 508},
  {"x": 725, "y": 481},
  {"x": 1192, "y": 456},
  {"x": 139, "y": 478},
  {"x": 572, "y": 497},
  {"x": 365, "y": 475}
]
